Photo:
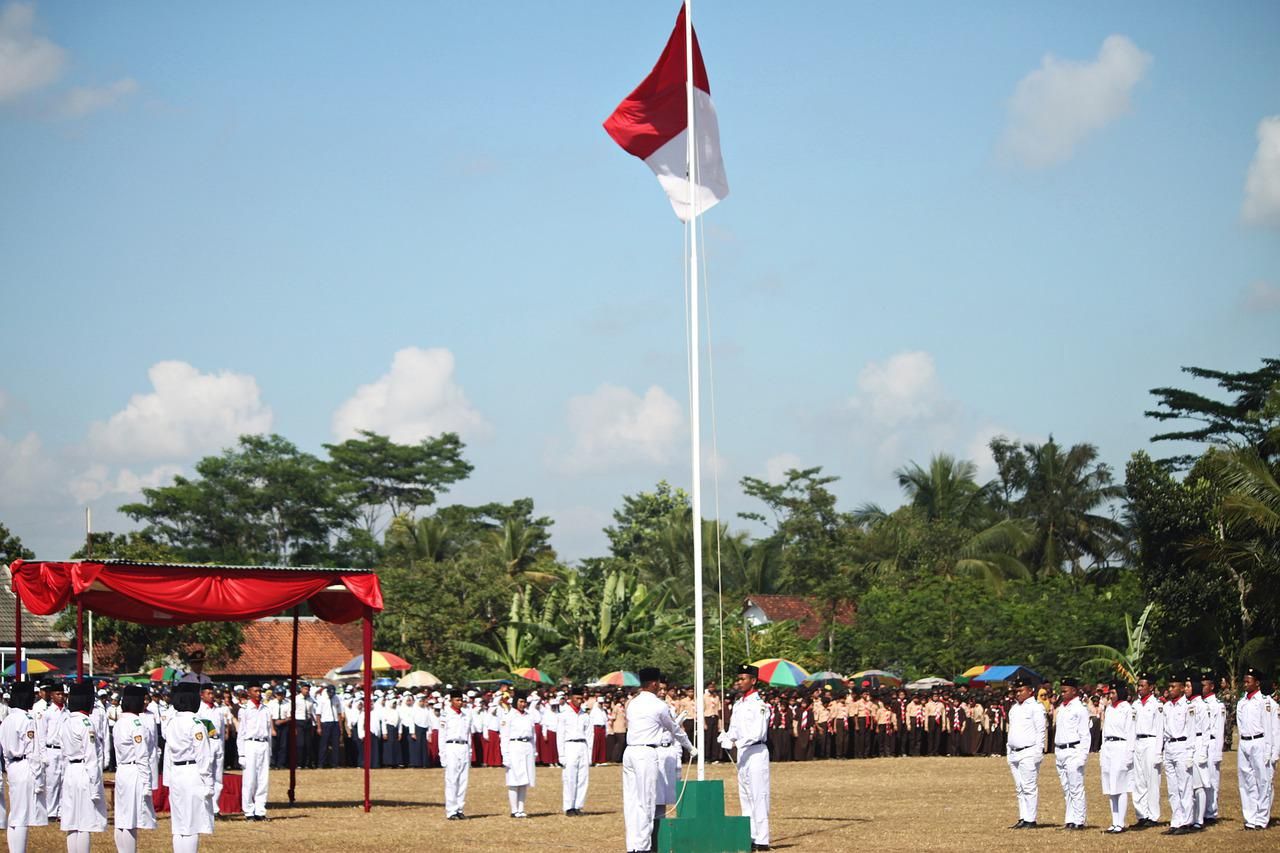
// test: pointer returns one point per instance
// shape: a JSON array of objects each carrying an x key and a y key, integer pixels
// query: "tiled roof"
[
  {"x": 268, "y": 644},
  {"x": 803, "y": 611},
  {"x": 36, "y": 630}
]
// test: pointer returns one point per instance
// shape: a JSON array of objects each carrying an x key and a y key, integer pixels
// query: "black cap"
[
  {"x": 22, "y": 695},
  {"x": 1015, "y": 684},
  {"x": 133, "y": 699},
  {"x": 1177, "y": 678},
  {"x": 455, "y": 694},
  {"x": 53, "y": 687},
  {"x": 80, "y": 697},
  {"x": 649, "y": 673},
  {"x": 1255, "y": 672},
  {"x": 1208, "y": 676},
  {"x": 577, "y": 690},
  {"x": 1070, "y": 682},
  {"x": 1146, "y": 676},
  {"x": 186, "y": 696},
  {"x": 748, "y": 669}
]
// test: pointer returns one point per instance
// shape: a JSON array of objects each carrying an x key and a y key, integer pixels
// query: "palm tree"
[
  {"x": 1128, "y": 663},
  {"x": 429, "y": 538},
  {"x": 947, "y": 489},
  {"x": 515, "y": 546}
]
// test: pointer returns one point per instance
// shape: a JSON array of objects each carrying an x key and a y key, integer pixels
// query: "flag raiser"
[{"x": 652, "y": 123}]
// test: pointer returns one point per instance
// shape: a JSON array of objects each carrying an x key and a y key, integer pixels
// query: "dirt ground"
[{"x": 881, "y": 804}]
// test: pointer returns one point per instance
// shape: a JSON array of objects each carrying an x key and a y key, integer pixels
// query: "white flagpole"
[{"x": 695, "y": 400}]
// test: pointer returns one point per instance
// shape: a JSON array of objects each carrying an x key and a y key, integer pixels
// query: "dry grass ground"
[{"x": 883, "y": 804}]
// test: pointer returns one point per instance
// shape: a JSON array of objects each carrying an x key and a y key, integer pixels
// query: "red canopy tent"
[{"x": 181, "y": 593}]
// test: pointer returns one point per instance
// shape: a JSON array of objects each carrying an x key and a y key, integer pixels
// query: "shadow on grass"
[
  {"x": 339, "y": 804},
  {"x": 838, "y": 824}
]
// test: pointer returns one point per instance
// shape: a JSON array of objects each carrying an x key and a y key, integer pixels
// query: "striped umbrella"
[
  {"x": 975, "y": 670},
  {"x": 826, "y": 678},
  {"x": 620, "y": 678},
  {"x": 164, "y": 673},
  {"x": 780, "y": 672},
  {"x": 380, "y": 661},
  {"x": 877, "y": 677},
  {"x": 533, "y": 674},
  {"x": 31, "y": 666}
]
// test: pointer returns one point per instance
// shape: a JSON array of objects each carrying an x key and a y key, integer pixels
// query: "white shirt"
[
  {"x": 1255, "y": 715},
  {"x": 648, "y": 717},
  {"x": 457, "y": 726},
  {"x": 18, "y": 735},
  {"x": 1072, "y": 724},
  {"x": 1118, "y": 720},
  {"x": 749, "y": 724},
  {"x": 255, "y": 721},
  {"x": 1149, "y": 720},
  {"x": 575, "y": 725},
  {"x": 1178, "y": 727},
  {"x": 1026, "y": 726}
]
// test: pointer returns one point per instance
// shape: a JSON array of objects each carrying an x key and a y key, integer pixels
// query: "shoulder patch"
[
  {"x": 137, "y": 722},
  {"x": 199, "y": 735},
  {"x": 137, "y": 738}
]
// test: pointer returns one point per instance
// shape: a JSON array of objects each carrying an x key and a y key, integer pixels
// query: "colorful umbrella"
[
  {"x": 826, "y": 678},
  {"x": 877, "y": 677},
  {"x": 418, "y": 678},
  {"x": 975, "y": 670},
  {"x": 620, "y": 678},
  {"x": 381, "y": 660},
  {"x": 164, "y": 673},
  {"x": 534, "y": 674},
  {"x": 779, "y": 672},
  {"x": 31, "y": 666}
]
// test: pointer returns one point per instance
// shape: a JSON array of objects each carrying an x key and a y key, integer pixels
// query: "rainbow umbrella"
[
  {"x": 381, "y": 660},
  {"x": 533, "y": 674},
  {"x": 826, "y": 678},
  {"x": 164, "y": 673},
  {"x": 31, "y": 666},
  {"x": 975, "y": 670},
  {"x": 620, "y": 678},
  {"x": 779, "y": 672},
  {"x": 877, "y": 677}
]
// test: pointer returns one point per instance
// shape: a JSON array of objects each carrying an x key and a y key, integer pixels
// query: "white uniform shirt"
[
  {"x": 1026, "y": 726},
  {"x": 1255, "y": 715},
  {"x": 457, "y": 726},
  {"x": 1179, "y": 730},
  {"x": 80, "y": 745},
  {"x": 1149, "y": 720},
  {"x": 18, "y": 735},
  {"x": 1072, "y": 725},
  {"x": 1216, "y": 725},
  {"x": 328, "y": 708},
  {"x": 255, "y": 721},
  {"x": 1119, "y": 721},
  {"x": 749, "y": 724},
  {"x": 575, "y": 725},
  {"x": 648, "y": 717},
  {"x": 217, "y": 724}
]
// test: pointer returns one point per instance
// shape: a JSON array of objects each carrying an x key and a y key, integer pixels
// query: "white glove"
[
  {"x": 693, "y": 752},
  {"x": 724, "y": 740}
]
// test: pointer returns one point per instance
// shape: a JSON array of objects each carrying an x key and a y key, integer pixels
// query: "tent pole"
[
  {"x": 79, "y": 641},
  {"x": 19, "y": 666},
  {"x": 293, "y": 716},
  {"x": 367, "y": 678}
]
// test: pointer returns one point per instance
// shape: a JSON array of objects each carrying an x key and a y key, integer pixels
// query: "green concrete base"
[{"x": 701, "y": 826}]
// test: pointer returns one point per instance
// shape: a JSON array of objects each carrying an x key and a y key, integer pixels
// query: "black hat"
[
  {"x": 455, "y": 694},
  {"x": 1207, "y": 675},
  {"x": 80, "y": 697},
  {"x": 53, "y": 687},
  {"x": 133, "y": 699},
  {"x": 1121, "y": 689},
  {"x": 1015, "y": 684},
  {"x": 195, "y": 655},
  {"x": 1146, "y": 676},
  {"x": 1070, "y": 682},
  {"x": 650, "y": 673},
  {"x": 1177, "y": 678},
  {"x": 517, "y": 695},
  {"x": 577, "y": 690},
  {"x": 186, "y": 696},
  {"x": 22, "y": 695},
  {"x": 748, "y": 669},
  {"x": 1255, "y": 672}
]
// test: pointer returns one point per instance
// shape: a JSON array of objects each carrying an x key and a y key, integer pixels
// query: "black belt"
[
  {"x": 259, "y": 739},
  {"x": 57, "y": 746},
  {"x": 1175, "y": 739},
  {"x": 75, "y": 761},
  {"x": 525, "y": 739},
  {"x": 462, "y": 741},
  {"x": 183, "y": 763},
  {"x": 646, "y": 745},
  {"x": 1020, "y": 748},
  {"x": 575, "y": 740},
  {"x": 15, "y": 759},
  {"x": 1066, "y": 745},
  {"x": 1142, "y": 736},
  {"x": 1251, "y": 737},
  {"x": 1113, "y": 738}
]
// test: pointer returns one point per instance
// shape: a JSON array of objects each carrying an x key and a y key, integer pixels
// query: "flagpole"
[{"x": 695, "y": 404}]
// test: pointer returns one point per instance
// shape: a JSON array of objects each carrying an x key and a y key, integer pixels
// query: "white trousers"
[
  {"x": 1215, "y": 785},
  {"x": 1255, "y": 782},
  {"x": 218, "y": 769},
  {"x": 53, "y": 770},
  {"x": 753, "y": 789},
  {"x": 639, "y": 794},
  {"x": 255, "y": 758},
  {"x": 1070, "y": 763},
  {"x": 26, "y": 806},
  {"x": 575, "y": 758},
  {"x": 1024, "y": 764},
  {"x": 456, "y": 760},
  {"x": 1177, "y": 778},
  {"x": 1146, "y": 779}
]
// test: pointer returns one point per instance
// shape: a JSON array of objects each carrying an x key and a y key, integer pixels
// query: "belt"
[
  {"x": 57, "y": 746},
  {"x": 1250, "y": 737},
  {"x": 575, "y": 740},
  {"x": 183, "y": 763},
  {"x": 1020, "y": 748},
  {"x": 1066, "y": 745},
  {"x": 462, "y": 741},
  {"x": 525, "y": 739},
  {"x": 259, "y": 739},
  {"x": 1142, "y": 736},
  {"x": 646, "y": 745},
  {"x": 1175, "y": 739},
  {"x": 75, "y": 761},
  {"x": 1113, "y": 738},
  {"x": 15, "y": 759}
]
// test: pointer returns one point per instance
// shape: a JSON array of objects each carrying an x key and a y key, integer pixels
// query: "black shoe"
[
  {"x": 1197, "y": 827},
  {"x": 1019, "y": 825},
  {"x": 1210, "y": 821},
  {"x": 454, "y": 816},
  {"x": 1248, "y": 828},
  {"x": 759, "y": 846}
]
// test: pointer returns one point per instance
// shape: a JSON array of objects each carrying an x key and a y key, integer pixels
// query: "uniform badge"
[
  {"x": 199, "y": 735},
  {"x": 137, "y": 738},
  {"x": 31, "y": 735}
]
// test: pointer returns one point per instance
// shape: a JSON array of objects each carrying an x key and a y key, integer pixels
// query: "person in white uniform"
[
  {"x": 577, "y": 739},
  {"x": 135, "y": 743},
  {"x": 1259, "y": 740},
  {"x": 457, "y": 725},
  {"x": 49, "y": 733},
  {"x": 1071, "y": 751},
  {"x": 515, "y": 739},
  {"x": 669, "y": 754},
  {"x": 215, "y": 725},
  {"x": 1179, "y": 730},
  {"x": 1148, "y": 755},
  {"x": 1025, "y": 750},
  {"x": 188, "y": 770},
  {"x": 1119, "y": 743},
  {"x": 1216, "y": 726},
  {"x": 748, "y": 733},
  {"x": 21, "y": 747},
  {"x": 647, "y": 718},
  {"x": 84, "y": 801},
  {"x": 253, "y": 746}
]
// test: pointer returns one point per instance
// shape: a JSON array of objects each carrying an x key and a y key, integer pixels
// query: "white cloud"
[
  {"x": 1055, "y": 107},
  {"x": 1262, "y": 297},
  {"x": 27, "y": 61},
  {"x": 903, "y": 388},
  {"x": 1262, "y": 185},
  {"x": 27, "y": 472},
  {"x": 188, "y": 413},
  {"x": 417, "y": 398},
  {"x": 83, "y": 100},
  {"x": 97, "y": 482},
  {"x": 776, "y": 467},
  {"x": 5, "y": 404},
  {"x": 613, "y": 427}
]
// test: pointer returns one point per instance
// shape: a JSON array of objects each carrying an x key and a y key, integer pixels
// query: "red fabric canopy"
[{"x": 155, "y": 594}]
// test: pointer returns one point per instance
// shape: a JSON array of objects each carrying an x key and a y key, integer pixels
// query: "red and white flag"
[{"x": 653, "y": 124}]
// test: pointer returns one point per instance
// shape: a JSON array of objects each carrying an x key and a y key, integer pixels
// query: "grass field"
[{"x": 877, "y": 805}]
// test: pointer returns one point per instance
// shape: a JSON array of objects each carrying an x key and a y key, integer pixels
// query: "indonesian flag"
[{"x": 653, "y": 124}]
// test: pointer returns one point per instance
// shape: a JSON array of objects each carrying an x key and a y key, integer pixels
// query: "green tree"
[
  {"x": 11, "y": 548},
  {"x": 1134, "y": 658},
  {"x": 1239, "y": 422}
]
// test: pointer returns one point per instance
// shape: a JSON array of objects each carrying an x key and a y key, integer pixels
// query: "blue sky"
[{"x": 945, "y": 223}]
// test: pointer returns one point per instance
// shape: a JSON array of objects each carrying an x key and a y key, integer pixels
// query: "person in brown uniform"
[
  {"x": 821, "y": 715},
  {"x": 934, "y": 715},
  {"x": 803, "y": 749},
  {"x": 779, "y": 730},
  {"x": 711, "y": 724},
  {"x": 840, "y": 727}
]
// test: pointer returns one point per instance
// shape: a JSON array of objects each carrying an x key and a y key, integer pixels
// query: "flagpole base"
[{"x": 701, "y": 826}]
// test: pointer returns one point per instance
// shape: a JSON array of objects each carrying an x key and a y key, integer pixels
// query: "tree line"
[{"x": 1049, "y": 564}]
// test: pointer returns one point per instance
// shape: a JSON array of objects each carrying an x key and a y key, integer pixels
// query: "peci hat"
[
  {"x": 649, "y": 674},
  {"x": 1070, "y": 682},
  {"x": 748, "y": 669}
]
